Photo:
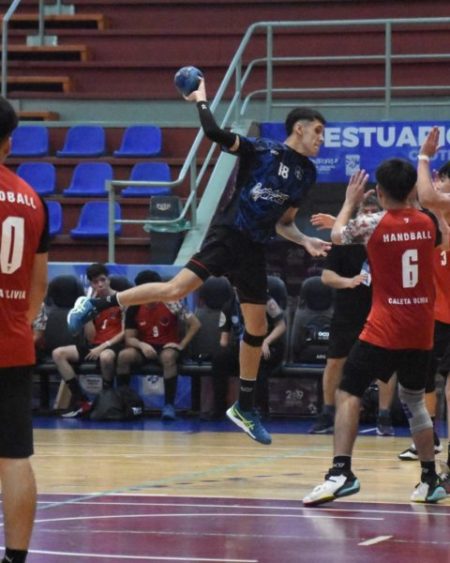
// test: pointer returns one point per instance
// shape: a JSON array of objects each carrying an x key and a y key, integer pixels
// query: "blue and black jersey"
[{"x": 271, "y": 178}]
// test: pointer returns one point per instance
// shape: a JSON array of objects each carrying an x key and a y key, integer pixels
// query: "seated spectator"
[
  {"x": 101, "y": 342},
  {"x": 226, "y": 362},
  {"x": 154, "y": 332}
]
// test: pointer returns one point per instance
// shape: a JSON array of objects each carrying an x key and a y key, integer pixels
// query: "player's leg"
[
  {"x": 358, "y": 373},
  {"x": 107, "y": 361},
  {"x": 385, "y": 396},
  {"x": 65, "y": 357},
  {"x": 242, "y": 413},
  {"x": 411, "y": 375},
  {"x": 168, "y": 358},
  {"x": 178, "y": 287},
  {"x": 16, "y": 447},
  {"x": 330, "y": 382}
]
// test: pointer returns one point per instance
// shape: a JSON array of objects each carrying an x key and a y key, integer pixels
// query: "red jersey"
[
  {"x": 156, "y": 323},
  {"x": 400, "y": 246},
  {"x": 442, "y": 285},
  {"x": 107, "y": 324},
  {"x": 23, "y": 233}
]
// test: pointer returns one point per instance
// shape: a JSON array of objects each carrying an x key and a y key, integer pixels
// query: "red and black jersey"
[
  {"x": 442, "y": 285},
  {"x": 400, "y": 246},
  {"x": 23, "y": 234},
  {"x": 108, "y": 323},
  {"x": 156, "y": 323}
]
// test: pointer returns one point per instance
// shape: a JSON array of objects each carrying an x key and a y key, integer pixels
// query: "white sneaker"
[
  {"x": 334, "y": 486},
  {"x": 426, "y": 492}
]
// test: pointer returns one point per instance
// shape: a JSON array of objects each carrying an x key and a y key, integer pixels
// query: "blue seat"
[
  {"x": 142, "y": 171},
  {"x": 29, "y": 140},
  {"x": 140, "y": 141},
  {"x": 275, "y": 131},
  {"x": 40, "y": 175},
  {"x": 88, "y": 180},
  {"x": 54, "y": 217},
  {"x": 93, "y": 221},
  {"x": 84, "y": 141}
]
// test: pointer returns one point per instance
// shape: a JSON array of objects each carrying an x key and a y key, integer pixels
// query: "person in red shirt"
[
  {"x": 103, "y": 339},
  {"x": 441, "y": 349},
  {"x": 398, "y": 334},
  {"x": 24, "y": 243},
  {"x": 153, "y": 332}
]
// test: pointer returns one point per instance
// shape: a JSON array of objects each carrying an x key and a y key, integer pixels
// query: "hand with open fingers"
[
  {"x": 430, "y": 145},
  {"x": 355, "y": 189},
  {"x": 316, "y": 246},
  {"x": 323, "y": 220},
  {"x": 198, "y": 95}
]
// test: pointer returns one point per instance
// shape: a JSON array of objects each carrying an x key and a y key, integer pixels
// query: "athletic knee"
[{"x": 413, "y": 403}]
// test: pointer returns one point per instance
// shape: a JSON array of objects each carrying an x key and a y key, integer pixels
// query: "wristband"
[{"x": 423, "y": 157}]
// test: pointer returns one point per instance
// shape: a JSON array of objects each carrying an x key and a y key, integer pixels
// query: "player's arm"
[
  {"x": 193, "y": 325},
  {"x": 429, "y": 197},
  {"x": 208, "y": 123},
  {"x": 354, "y": 195},
  {"x": 38, "y": 285},
  {"x": 287, "y": 228},
  {"x": 334, "y": 280}
]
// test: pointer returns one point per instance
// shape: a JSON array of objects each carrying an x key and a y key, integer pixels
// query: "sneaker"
[
  {"x": 83, "y": 311},
  {"x": 81, "y": 408},
  {"x": 250, "y": 423},
  {"x": 334, "y": 486},
  {"x": 410, "y": 454},
  {"x": 384, "y": 426},
  {"x": 323, "y": 425},
  {"x": 429, "y": 492},
  {"x": 168, "y": 413},
  {"x": 444, "y": 474}
]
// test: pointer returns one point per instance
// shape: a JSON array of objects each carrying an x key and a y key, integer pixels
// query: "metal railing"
[{"x": 238, "y": 106}]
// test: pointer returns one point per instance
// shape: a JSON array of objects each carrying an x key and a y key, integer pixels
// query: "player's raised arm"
[{"x": 429, "y": 197}]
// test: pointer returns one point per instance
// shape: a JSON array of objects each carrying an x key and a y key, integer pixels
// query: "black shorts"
[
  {"x": 367, "y": 362},
  {"x": 440, "y": 358},
  {"x": 83, "y": 349},
  {"x": 227, "y": 252},
  {"x": 342, "y": 338},
  {"x": 16, "y": 426}
]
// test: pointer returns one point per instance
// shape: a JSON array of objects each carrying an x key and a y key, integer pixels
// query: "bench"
[{"x": 195, "y": 369}]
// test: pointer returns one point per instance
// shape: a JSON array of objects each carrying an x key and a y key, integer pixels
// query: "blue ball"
[{"x": 187, "y": 79}]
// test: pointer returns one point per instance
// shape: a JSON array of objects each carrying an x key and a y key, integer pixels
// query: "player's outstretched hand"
[
  {"x": 198, "y": 95},
  {"x": 316, "y": 246},
  {"x": 431, "y": 143},
  {"x": 355, "y": 189}
]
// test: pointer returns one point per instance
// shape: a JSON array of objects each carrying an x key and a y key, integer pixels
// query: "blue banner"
[{"x": 351, "y": 146}]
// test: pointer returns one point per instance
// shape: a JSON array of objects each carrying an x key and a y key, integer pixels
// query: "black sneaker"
[
  {"x": 384, "y": 426},
  {"x": 323, "y": 425}
]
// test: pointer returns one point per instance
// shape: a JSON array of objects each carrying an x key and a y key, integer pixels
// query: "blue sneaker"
[
  {"x": 168, "y": 413},
  {"x": 250, "y": 423},
  {"x": 83, "y": 311}
]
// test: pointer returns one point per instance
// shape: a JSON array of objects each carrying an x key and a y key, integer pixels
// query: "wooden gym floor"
[{"x": 203, "y": 492}]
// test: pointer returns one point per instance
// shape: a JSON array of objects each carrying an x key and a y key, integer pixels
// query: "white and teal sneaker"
[
  {"x": 429, "y": 492},
  {"x": 250, "y": 423},
  {"x": 334, "y": 486},
  {"x": 83, "y": 311}
]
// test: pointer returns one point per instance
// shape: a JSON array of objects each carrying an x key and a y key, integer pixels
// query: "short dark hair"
[
  {"x": 444, "y": 171},
  {"x": 8, "y": 119},
  {"x": 147, "y": 276},
  {"x": 95, "y": 270},
  {"x": 302, "y": 114},
  {"x": 397, "y": 177}
]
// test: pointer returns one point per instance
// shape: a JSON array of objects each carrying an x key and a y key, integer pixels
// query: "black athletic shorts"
[
  {"x": 440, "y": 357},
  {"x": 16, "y": 427},
  {"x": 367, "y": 362},
  {"x": 227, "y": 252},
  {"x": 342, "y": 338},
  {"x": 84, "y": 348}
]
